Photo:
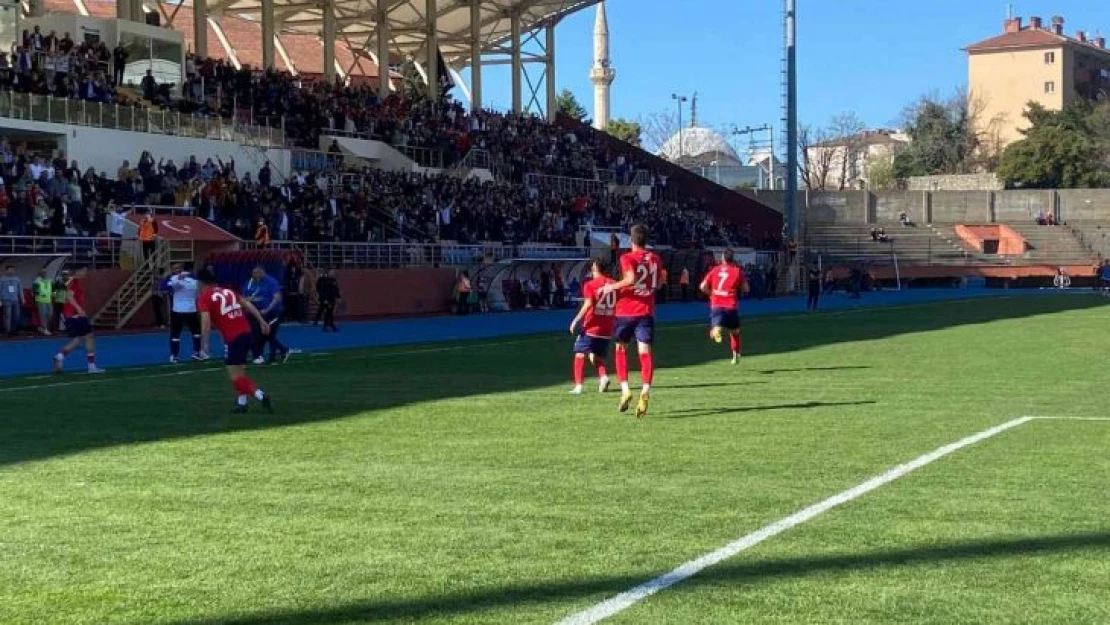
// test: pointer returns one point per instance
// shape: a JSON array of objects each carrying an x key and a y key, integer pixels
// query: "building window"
[
  {"x": 1049, "y": 58},
  {"x": 1050, "y": 87}
]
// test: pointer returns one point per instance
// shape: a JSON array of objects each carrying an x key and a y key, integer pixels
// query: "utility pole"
[{"x": 769, "y": 143}]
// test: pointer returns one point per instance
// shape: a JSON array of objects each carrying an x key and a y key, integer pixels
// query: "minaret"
[{"x": 601, "y": 74}]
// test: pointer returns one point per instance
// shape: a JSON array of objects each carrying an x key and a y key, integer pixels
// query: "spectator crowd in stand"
[
  {"x": 51, "y": 65},
  {"x": 46, "y": 195},
  {"x": 55, "y": 197}
]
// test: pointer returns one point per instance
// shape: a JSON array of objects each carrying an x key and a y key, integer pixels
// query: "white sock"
[
  {"x": 259, "y": 395},
  {"x": 241, "y": 400},
  {"x": 59, "y": 357},
  {"x": 624, "y": 387},
  {"x": 645, "y": 389}
]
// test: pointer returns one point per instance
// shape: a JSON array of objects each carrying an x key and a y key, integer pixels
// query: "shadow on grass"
[
  {"x": 48, "y": 418},
  {"x": 709, "y": 412},
  {"x": 813, "y": 369},
  {"x": 596, "y": 589},
  {"x": 712, "y": 384}
]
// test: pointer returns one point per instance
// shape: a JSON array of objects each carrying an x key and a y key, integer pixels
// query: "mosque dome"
[{"x": 699, "y": 146}]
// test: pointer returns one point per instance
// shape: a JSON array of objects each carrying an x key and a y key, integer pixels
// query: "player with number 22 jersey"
[{"x": 223, "y": 309}]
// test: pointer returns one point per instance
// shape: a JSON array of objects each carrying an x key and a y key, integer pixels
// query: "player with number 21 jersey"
[{"x": 641, "y": 275}]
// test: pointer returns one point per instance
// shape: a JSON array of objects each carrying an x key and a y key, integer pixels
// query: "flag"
[{"x": 444, "y": 75}]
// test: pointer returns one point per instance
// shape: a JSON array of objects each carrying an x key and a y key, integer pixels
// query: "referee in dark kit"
[{"x": 327, "y": 295}]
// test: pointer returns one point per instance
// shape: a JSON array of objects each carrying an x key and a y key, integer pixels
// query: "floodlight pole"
[
  {"x": 790, "y": 115},
  {"x": 791, "y": 121},
  {"x": 679, "y": 99}
]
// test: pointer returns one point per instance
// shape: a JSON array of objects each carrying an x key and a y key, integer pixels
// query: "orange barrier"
[{"x": 993, "y": 239}]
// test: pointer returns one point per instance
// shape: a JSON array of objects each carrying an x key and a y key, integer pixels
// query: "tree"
[
  {"x": 569, "y": 105},
  {"x": 625, "y": 130},
  {"x": 947, "y": 137},
  {"x": 880, "y": 175},
  {"x": 846, "y": 130},
  {"x": 1060, "y": 149},
  {"x": 657, "y": 128},
  {"x": 816, "y": 160}
]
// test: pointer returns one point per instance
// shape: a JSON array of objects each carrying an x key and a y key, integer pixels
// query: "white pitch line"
[
  {"x": 1072, "y": 418},
  {"x": 627, "y": 599}
]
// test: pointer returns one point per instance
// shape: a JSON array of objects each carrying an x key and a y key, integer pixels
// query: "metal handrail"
[
  {"x": 98, "y": 252},
  {"x": 40, "y": 108},
  {"x": 328, "y": 254}
]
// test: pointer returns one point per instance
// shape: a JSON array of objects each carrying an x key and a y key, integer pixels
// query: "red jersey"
[
  {"x": 225, "y": 311},
  {"x": 724, "y": 282},
  {"x": 638, "y": 300},
  {"x": 599, "y": 319},
  {"x": 76, "y": 294}
]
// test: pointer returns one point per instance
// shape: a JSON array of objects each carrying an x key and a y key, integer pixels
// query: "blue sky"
[{"x": 868, "y": 56}]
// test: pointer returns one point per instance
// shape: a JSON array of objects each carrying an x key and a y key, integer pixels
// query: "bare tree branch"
[{"x": 657, "y": 128}]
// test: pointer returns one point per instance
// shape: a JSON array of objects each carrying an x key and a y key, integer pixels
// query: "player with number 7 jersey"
[
  {"x": 223, "y": 309},
  {"x": 641, "y": 273}
]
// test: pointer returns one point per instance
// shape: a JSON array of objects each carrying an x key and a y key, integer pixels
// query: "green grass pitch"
[{"x": 461, "y": 484}]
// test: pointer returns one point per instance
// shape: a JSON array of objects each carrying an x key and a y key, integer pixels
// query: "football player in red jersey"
[
  {"x": 77, "y": 324},
  {"x": 724, "y": 284},
  {"x": 223, "y": 309},
  {"x": 596, "y": 317},
  {"x": 641, "y": 271}
]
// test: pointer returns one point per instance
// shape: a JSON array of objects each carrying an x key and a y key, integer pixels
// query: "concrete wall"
[
  {"x": 960, "y": 207},
  {"x": 837, "y": 206},
  {"x": 971, "y": 207},
  {"x": 1084, "y": 204},
  {"x": 890, "y": 206},
  {"x": 1023, "y": 206}
]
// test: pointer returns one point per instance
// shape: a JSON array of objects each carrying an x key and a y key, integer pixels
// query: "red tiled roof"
[{"x": 1030, "y": 37}]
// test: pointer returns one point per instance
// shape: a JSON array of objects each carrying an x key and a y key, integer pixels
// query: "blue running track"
[{"x": 131, "y": 350}]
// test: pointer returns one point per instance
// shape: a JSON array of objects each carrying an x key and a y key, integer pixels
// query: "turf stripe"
[{"x": 627, "y": 599}]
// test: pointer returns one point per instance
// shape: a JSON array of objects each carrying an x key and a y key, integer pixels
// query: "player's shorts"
[
  {"x": 591, "y": 345},
  {"x": 238, "y": 350},
  {"x": 724, "y": 318},
  {"x": 78, "y": 327},
  {"x": 640, "y": 328}
]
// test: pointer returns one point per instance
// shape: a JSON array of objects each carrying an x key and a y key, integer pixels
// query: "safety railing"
[
  {"x": 134, "y": 119},
  {"x": 96, "y": 252},
  {"x": 565, "y": 184},
  {"x": 407, "y": 255}
]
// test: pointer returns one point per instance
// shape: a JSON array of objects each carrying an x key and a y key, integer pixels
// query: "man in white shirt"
[{"x": 183, "y": 312}]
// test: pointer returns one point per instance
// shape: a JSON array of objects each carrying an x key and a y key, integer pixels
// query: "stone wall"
[{"x": 965, "y": 182}]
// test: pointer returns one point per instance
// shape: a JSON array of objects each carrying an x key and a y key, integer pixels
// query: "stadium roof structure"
[
  {"x": 498, "y": 32},
  {"x": 407, "y": 19}
]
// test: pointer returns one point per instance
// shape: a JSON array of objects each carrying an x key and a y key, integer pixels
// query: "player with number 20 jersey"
[
  {"x": 641, "y": 273},
  {"x": 596, "y": 317},
  {"x": 223, "y": 309}
]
